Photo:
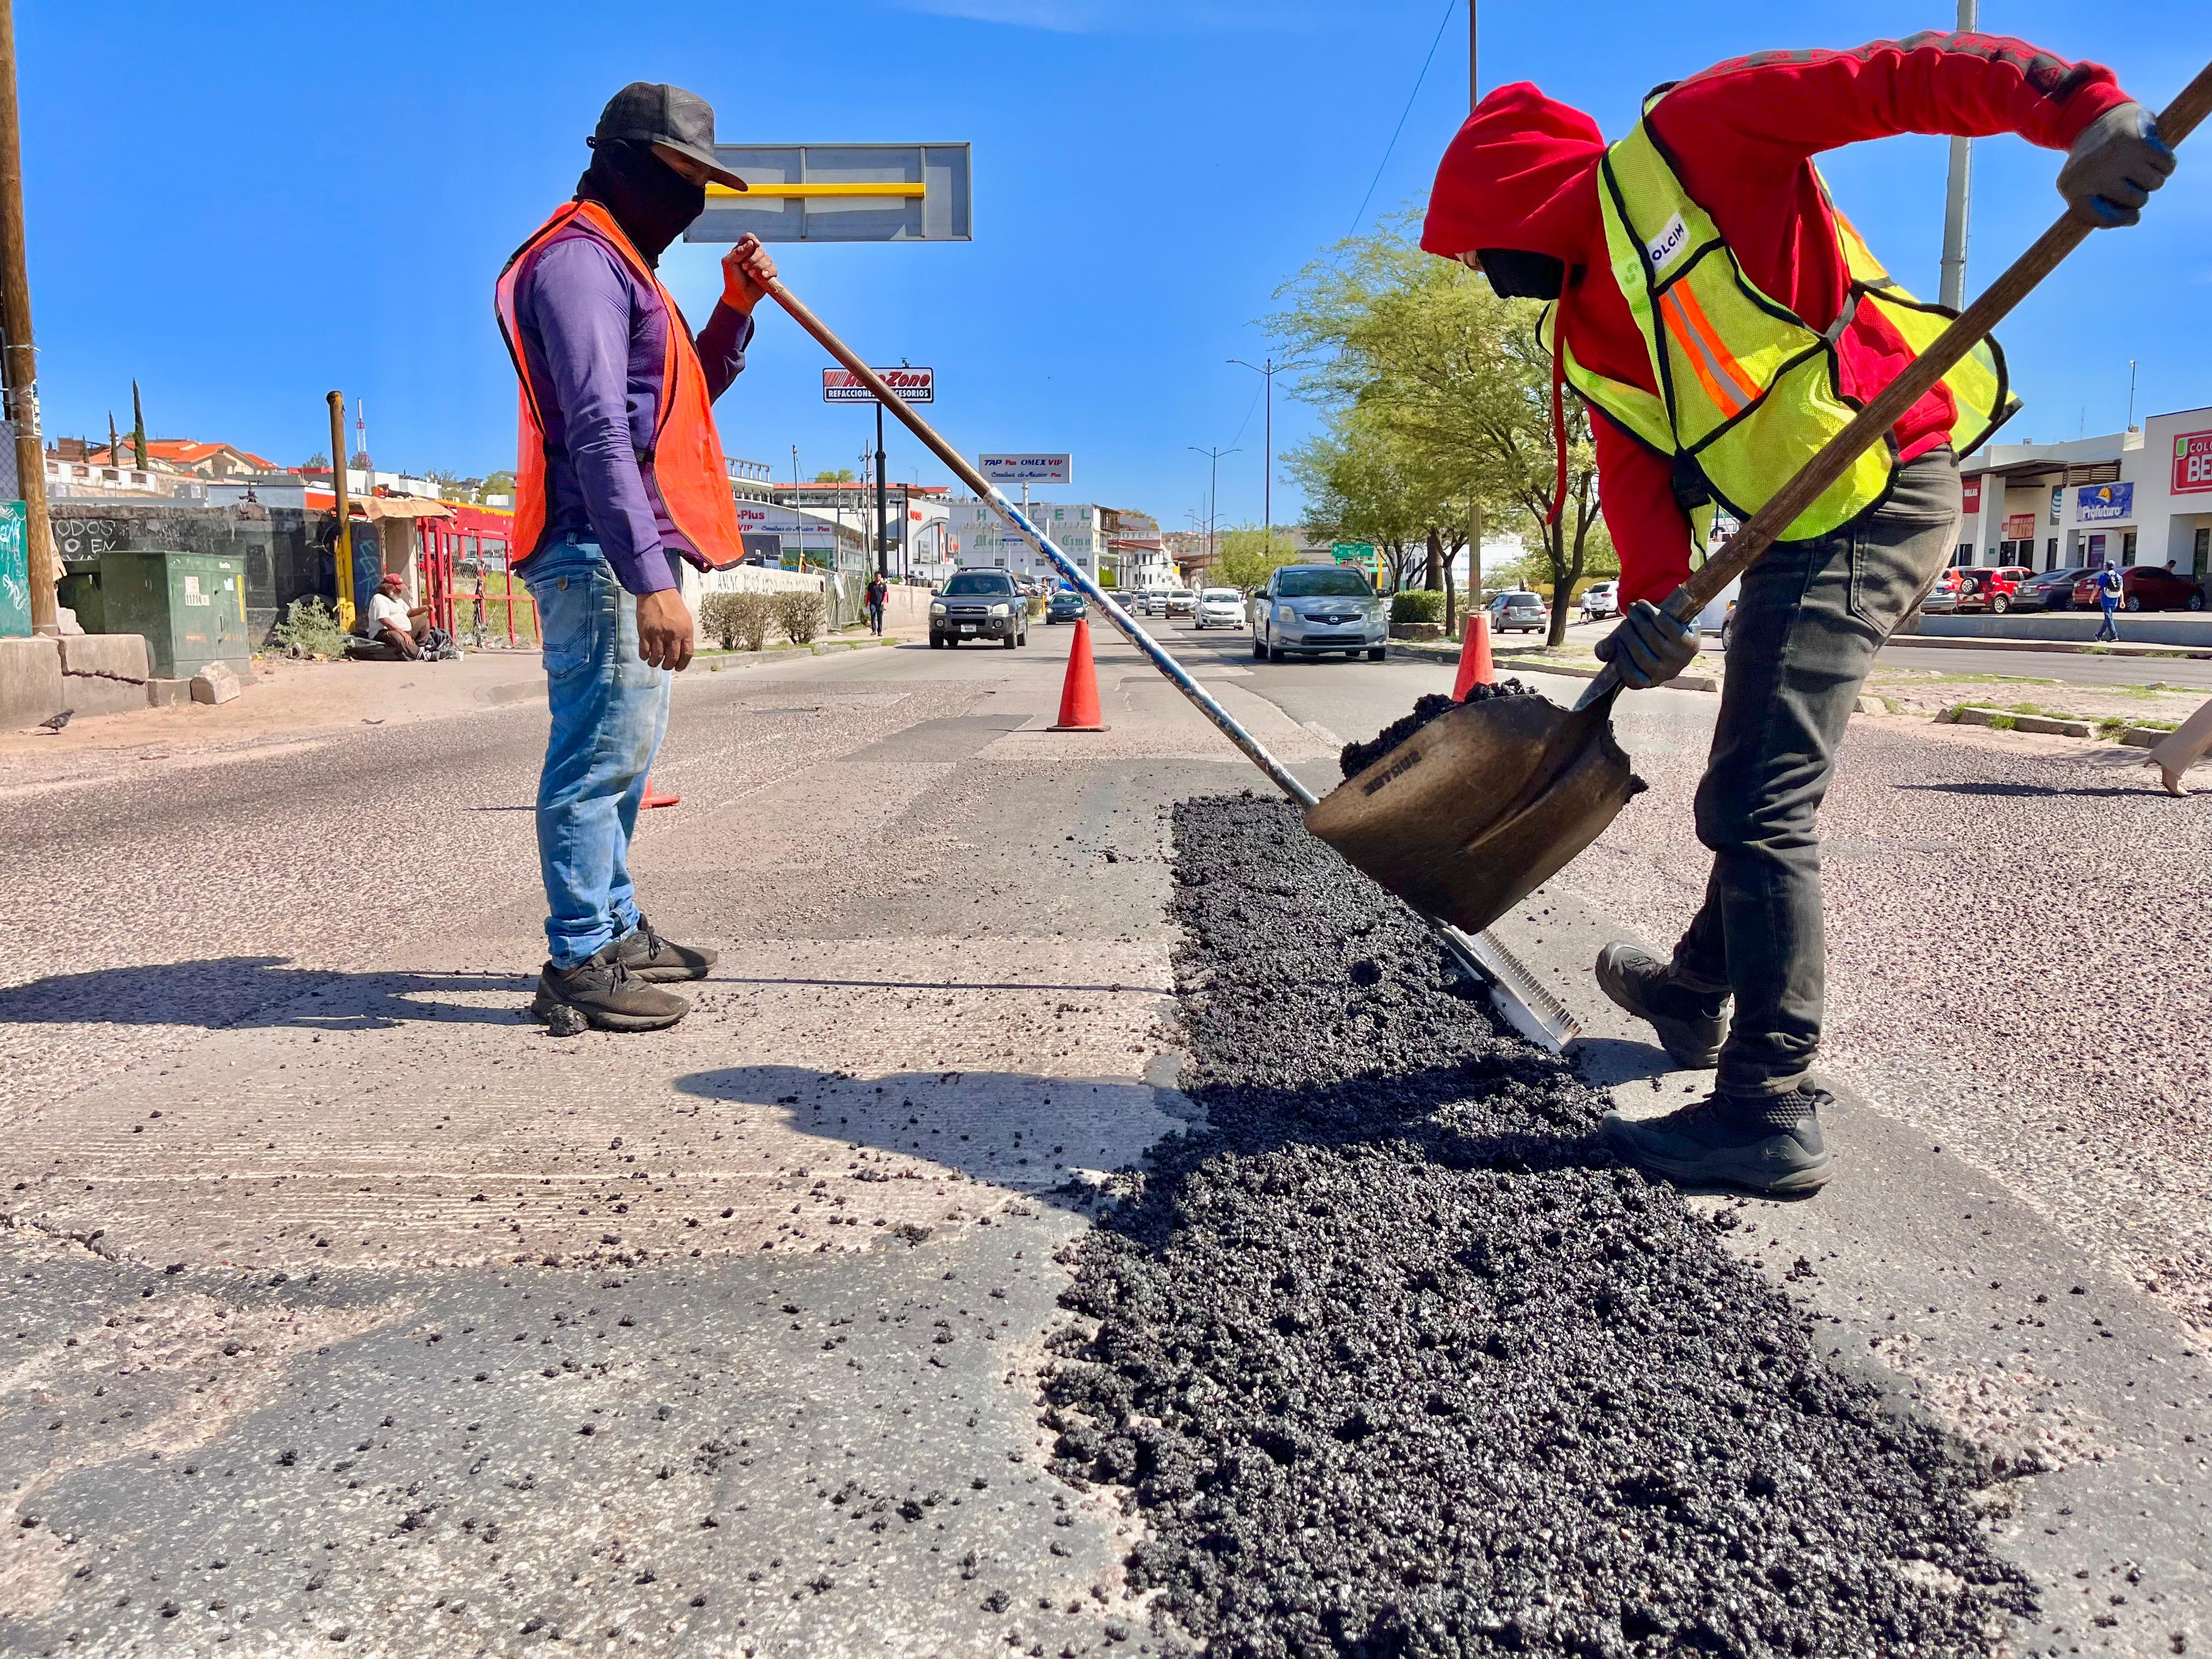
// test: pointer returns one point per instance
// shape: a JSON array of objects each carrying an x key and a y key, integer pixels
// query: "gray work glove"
[
  {"x": 1650, "y": 647},
  {"x": 2113, "y": 167}
]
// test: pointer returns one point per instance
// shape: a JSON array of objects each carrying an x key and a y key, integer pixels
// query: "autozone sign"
[
  {"x": 2193, "y": 464},
  {"x": 914, "y": 385}
]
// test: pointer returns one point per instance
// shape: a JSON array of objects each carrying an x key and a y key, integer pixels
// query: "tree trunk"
[
  {"x": 1436, "y": 571},
  {"x": 1451, "y": 604},
  {"x": 1555, "y": 536}
]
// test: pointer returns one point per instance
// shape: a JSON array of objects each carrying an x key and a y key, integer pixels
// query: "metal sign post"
[{"x": 914, "y": 385}]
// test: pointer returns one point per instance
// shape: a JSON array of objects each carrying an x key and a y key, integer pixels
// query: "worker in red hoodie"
[{"x": 1724, "y": 320}]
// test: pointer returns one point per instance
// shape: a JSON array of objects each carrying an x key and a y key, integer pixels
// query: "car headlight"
[
  {"x": 936, "y": 610},
  {"x": 1284, "y": 613},
  {"x": 1001, "y": 610}
]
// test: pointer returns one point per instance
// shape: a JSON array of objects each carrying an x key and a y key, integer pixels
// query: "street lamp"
[
  {"x": 1213, "y": 489},
  {"x": 1267, "y": 485}
]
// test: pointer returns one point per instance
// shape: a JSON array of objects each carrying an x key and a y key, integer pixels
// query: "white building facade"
[
  {"x": 981, "y": 537},
  {"x": 2137, "y": 497}
]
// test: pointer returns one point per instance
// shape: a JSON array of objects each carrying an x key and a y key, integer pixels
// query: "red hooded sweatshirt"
[{"x": 1522, "y": 173}]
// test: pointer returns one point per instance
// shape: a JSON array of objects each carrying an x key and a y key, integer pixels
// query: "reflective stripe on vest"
[
  {"x": 1749, "y": 391},
  {"x": 684, "y": 470}
]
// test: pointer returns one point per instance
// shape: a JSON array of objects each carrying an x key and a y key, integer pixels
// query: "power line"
[{"x": 1450, "y": 6}]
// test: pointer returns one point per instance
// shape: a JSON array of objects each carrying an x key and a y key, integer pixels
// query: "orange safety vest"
[{"x": 684, "y": 470}]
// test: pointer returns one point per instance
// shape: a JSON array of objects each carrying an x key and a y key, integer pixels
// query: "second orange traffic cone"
[
  {"x": 652, "y": 799},
  {"x": 1078, "y": 696},
  {"x": 1475, "y": 665}
]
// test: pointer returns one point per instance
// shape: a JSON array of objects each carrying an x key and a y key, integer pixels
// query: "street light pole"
[
  {"x": 20, "y": 359},
  {"x": 1474, "y": 59},
  {"x": 1267, "y": 485},
  {"x": 1958, "y": 198},
  {"x": 1212, "y": 491}
]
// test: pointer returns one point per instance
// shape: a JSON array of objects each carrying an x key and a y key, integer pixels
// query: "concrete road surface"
[{"x": 349, "y": 1306}]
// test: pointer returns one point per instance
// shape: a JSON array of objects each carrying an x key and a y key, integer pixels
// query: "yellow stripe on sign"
[{"x": 889, "y": 187}]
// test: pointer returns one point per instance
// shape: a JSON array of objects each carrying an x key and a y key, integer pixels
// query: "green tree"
[
  {"x": 843, "y": 475},
  {"x": 499, "y": 484},
  {"x": 1458, "y": 380},
  {"x": 1360, "y": 486},
  {"x": 1245, "y": 556}
]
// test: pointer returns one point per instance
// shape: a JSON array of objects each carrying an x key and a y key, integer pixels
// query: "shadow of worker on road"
[{"x": 224, "y": 992}]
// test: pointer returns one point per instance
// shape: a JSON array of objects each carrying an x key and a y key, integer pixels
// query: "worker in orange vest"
[{"x": 619, "y": 473}]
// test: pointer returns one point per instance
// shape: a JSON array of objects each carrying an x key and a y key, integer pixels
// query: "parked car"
[
  {"x": 2052, "y": 590},
  {"x": 1151, "y": 602},
  {"x": 1519, "y": 608},
  {"x": 1991, "y": 589},
  {"x": 979, "y": 605},
  {"x": 1313, "y": 608},
  {"x": 1601, "y": 599},
  {"x": 1181, "y": 602},
  {"x": 1728, "y": 626},
  {"x": 1224, "y": 606},
  {"x": 1066, "y": 604},
  {"x": 1942, "y": 598},
  {"x": 2146, "y": 587}
]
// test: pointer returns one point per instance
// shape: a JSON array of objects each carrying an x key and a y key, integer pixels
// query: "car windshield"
[
  {"x": 970, "y": 583},
  {"x": 1221, "y": 596},
  {"x": 1322, "y": 584}
]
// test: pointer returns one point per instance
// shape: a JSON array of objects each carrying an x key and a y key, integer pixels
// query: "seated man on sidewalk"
[{"x": 391, "y": 621}]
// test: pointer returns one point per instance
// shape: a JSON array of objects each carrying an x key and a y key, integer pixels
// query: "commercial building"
[
  {"x": 916, "y": 518},
  {"x": 1080, "y": 529},
  {"x": 2143, "y": 496}
]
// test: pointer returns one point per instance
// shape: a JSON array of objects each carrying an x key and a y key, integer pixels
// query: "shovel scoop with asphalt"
[{"x": 1480, "y": 806}]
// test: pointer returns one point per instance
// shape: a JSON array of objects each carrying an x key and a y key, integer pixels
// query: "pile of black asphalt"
[
  {"x": 1392, "y": 1358},
  {"x": 1358, "y": 757}
]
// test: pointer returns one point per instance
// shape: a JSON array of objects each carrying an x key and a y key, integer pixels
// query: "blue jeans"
[
  {"x": 610, "y": 713},
  {"x": 2106, "y": 629}
]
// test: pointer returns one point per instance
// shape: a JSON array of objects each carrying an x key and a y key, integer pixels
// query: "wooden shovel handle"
[{"x": 1973, "y": 325}]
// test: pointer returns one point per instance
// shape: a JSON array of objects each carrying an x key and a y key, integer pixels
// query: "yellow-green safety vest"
[{"x": 1748, "y": 390}]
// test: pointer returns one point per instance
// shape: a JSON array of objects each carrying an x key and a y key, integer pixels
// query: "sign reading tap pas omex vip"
[
  {"x": 1024, "y": 469},
  {"x": 840, "y": 193},
  {"x": 914, "y": 385}
]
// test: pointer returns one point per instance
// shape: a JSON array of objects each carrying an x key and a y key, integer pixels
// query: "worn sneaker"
[
  {"x": 658, "y": 961},
  {"x": 1691, "y": 1024},
  {"x": 608, "y": 995},
  {"x": 1770, "y": 1144}
]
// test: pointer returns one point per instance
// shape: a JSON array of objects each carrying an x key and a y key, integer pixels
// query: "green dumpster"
[{"x": 190, "y": 606}]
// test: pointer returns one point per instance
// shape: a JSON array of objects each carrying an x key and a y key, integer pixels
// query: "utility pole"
[
  {"x": 1958, "y": 200},
  {"x": 883, "y": 528},
  {"x": 19, "y": 357},
  {"x": 342, "y": 553},
  {"x": 1213, "y": 492},
  {"x": 1474, "y": 59},
  {"x": 1268, "y": 487}
]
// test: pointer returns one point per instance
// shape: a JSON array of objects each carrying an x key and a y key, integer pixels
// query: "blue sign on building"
[{"x": 2107, "y": 503}]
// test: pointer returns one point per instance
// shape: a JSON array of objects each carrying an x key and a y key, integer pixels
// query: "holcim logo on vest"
[{"x": 1667, "y": 243}]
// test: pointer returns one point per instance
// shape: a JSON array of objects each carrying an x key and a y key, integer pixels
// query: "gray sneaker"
[
  {"x": 608, "y": 995},
  {"x": 1769, "y": 1144},
  {"x": 659, "y": 961},
  {"x": 1691, "y": 1024}
]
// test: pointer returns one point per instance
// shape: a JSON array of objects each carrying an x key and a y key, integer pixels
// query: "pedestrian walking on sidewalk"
[
  {"x": 619, "y": 474},
  {"x": 2108, "y": 601},
  {"x": 879, "y": 595},
  {"x": 1723, "y": 320}
]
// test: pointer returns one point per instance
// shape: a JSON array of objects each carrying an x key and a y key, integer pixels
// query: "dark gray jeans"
[{"x": 1809, "y": 620}]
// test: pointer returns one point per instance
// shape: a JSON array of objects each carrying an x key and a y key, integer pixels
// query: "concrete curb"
[
  {"x": 1507, "y": 664},
  {"x": 2068, "y": 647}
]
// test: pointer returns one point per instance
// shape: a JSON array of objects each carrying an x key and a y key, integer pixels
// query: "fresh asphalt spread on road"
[
  {"x": 946, "y": 938},
  {"x": 1396, "y": 1359}
]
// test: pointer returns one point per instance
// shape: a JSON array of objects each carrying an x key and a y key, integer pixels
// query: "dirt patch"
[{"x": 1393, "y": 1359}]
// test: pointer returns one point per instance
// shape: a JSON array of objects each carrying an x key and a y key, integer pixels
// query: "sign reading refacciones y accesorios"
[
  {"x": 2192, "y": 462},
  {"x": 914, "y": 385}
]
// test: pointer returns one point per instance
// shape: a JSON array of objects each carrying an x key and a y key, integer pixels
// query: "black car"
[
  {"x": 2052, "y": 590},
  {"x": 979, "y": 605},
  {"x": 1066, "y": 605}
]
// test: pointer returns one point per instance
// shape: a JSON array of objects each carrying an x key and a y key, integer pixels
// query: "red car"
[
  {"x": 1990, "y": 590},
  {"x": 2146, "y": 587}
]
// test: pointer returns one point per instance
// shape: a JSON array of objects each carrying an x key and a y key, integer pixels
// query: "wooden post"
[
  {"x": 19, "y": 362},
  {"x": 343, "y": 552}
]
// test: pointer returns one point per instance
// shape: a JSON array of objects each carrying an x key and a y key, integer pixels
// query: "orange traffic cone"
[
  {"x": 652, "y": 799},
  {"x": 1078, "y": 697},
  {"x": 1475, "y": 665}
]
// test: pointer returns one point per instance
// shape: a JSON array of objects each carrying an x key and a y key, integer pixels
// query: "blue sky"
[{"x": 243, "y": 208}]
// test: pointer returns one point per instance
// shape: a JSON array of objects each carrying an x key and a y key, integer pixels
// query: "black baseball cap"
[{"x": 669, "y": 119}]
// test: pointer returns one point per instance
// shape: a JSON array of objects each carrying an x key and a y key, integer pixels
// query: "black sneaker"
[
  {"x": 608, "y": 995},
  {"x": 658, "y": 961},
  {"x": 1770, "y": 1144},
  {"x": 1692, "y": 1024}
]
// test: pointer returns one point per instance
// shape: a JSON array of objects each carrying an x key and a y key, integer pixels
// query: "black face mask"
[
  {"x": 1515, "y": 275},
  {"x": 650, "y": 200}
]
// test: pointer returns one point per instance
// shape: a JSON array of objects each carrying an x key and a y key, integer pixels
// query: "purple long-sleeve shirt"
[{"x": 594, "y": 344}]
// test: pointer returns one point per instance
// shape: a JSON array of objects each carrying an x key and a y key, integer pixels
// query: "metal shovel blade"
[{"x": 1479, "y": 807}]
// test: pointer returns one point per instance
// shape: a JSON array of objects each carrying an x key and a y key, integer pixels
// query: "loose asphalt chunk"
[
  {"x": 1392, "y": 1358},
  {"x": 1358, "y": 757}
]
